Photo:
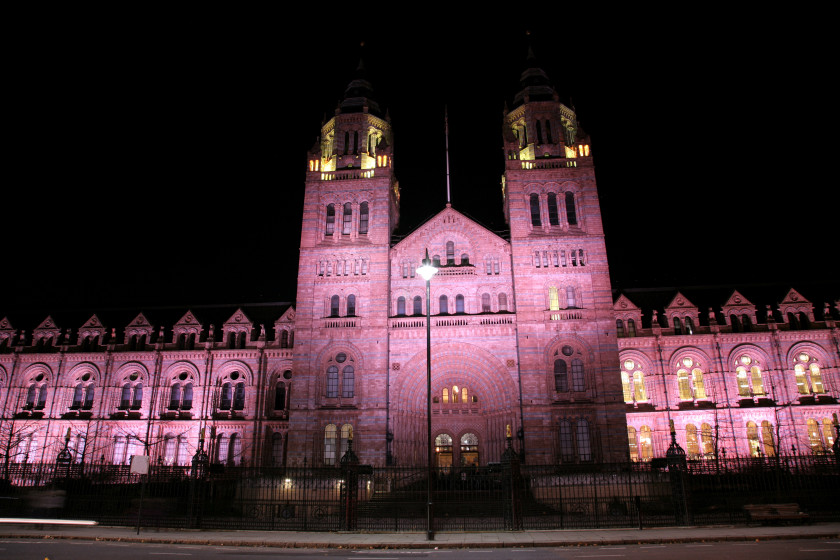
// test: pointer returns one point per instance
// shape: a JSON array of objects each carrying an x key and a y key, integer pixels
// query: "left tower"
[{"x": 351, "y": 207}]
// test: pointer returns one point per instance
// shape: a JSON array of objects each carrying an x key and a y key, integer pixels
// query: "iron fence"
[{"x": 359, "y": 498}]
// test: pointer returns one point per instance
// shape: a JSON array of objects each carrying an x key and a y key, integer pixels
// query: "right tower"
[{"x": 568, "y": 353}]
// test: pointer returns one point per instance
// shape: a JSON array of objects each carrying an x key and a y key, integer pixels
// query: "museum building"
[{"x": 530, "y": 347}]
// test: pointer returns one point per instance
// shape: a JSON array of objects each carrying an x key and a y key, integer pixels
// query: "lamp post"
[{"x": 426, "y": 271}]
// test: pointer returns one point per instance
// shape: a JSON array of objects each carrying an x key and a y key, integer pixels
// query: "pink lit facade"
[{"x": 528, "y": 344}]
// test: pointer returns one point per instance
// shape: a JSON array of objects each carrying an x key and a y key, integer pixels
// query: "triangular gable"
[
  {"x": 46, "y": 330},
  {"x": 680, "y": 303},
  {"x": 186, "y": 326},
  {"x": 623, "y": 304},
  {"x": 140, "y": 322},
  {"x": 794, "y": 298},
  {"x": 738, "y": 311},
  {"x": 7, "y": 333},
  {"x": 238, "y": 322},
  {"x": 795, "y": 304},
  {"x": 681, "y": 308},
  {"x": 288, "y": 316},
  {"x": 736, "y": 300},
  {"x": 93, "y": 328},
  {"x": 448, "y": 221}
]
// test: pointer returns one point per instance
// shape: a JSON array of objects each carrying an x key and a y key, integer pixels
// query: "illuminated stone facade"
[{"x": 527, "y": 339}]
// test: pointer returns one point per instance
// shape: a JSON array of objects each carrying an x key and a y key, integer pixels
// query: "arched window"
[
  {"x": 707, "y": 441},
  {"x": 332, "y": 382},
  {"x": 677, "y": 326},
  {"x": 401, "y": 305},
  {"x": 580, "y": 257},
  {"x": 503, "y": 302},
  {"x": 348, "y": 381},
  {"x": 689, "y": 326},
  {"x": 552, "y": 210},
  {"x": 752, "y": 439},
  {"x": 276, "y": 449},
  {"x": 225, "y": 396},
  {"x": 584, "y": 445},
  {"x": 330, "y": 435},
  {"x": 828, "y": 432},
  {"x": 346, "y": 436},
  {"x": 535, "y": 210},
  {"x": 280, "y": 396},
  {"x": 561, "y": 376},
  {"x": 443, "y": 304},
  {"x": 815, "y": 437},
  {"x": 347, "y": 219},
  {"x": 418, "y": 305},
  {"x": 548, "y": 131},
  {"x": 619, "y": 328},
  {"x": 330, "y": 226},
  {"x": 746, "y": 323},
  {"x": 465, "y": 258},
  {"x": 767, "y": 439},
  {"x": 459, "y": 303},
  {"x": 485, "y": 303},
  {"x": 631, "y": 328},
  {"x": 577, "y": 375},
  {"x": 645, "y": 443},
  {"x": 351, "y": 305},
  {"x": 634, "y": 380},
  {"x": 450, "y": 253},
  {"x": 553, "y": 298},
  {"x": 750, "y": 382},
  {"x": 691, "y": 443},
  {"x": 469, "y": 450},
  {"x": 334, "y": 306},
  {"x": 691, "y": 385},
  {"x": 364, "y": 218},
  {"x": 808, "y": 375},
  {"x": 626, "y": 388},
  {"x": 239, "y": 396},
  {"x": 571, "y": 213},
  {"x": 567, "y": 449},
  {"x": 175, "y": 396},
  {"x": 571, "y": 302},
  {"x": 631, "y": 440}
]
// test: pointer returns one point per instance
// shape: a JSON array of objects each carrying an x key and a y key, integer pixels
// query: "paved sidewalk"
[{"x": 294, "y": 539}]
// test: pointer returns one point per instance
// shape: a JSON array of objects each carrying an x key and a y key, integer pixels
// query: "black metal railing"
[{"x": 362, "y": 498}]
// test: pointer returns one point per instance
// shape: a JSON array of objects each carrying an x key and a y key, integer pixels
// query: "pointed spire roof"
[
  {"x": 359, "y": 93},
  {"x": 534, "y": 81}
]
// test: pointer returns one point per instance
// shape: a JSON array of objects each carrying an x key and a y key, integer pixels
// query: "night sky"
[{"x": 160, "y": 160}]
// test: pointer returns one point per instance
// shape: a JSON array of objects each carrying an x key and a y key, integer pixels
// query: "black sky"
[{"x": 159, "y": 159}]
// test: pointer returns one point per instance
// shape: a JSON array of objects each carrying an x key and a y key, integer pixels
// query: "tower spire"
[{"x": 446, "y": 134}]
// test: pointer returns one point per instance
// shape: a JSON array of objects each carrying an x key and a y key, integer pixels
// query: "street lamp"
[{"x": 426, "y": 271}]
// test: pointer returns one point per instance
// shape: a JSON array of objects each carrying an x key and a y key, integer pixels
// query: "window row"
[
  {"x": 548, "y": 259},
  {"x": 620, "y": 330},
  {"x": 455, "y": 395},
  {"x": 342, "y": 308},
  {"x": 342, "y": 267},
  {"x": 570, "y": 300},
  {"x": 448, "y": 307},
  {"x": 748, "y": 376},
  {"x": 347, "y": 219},
  {"x": 551, "y": 208}
]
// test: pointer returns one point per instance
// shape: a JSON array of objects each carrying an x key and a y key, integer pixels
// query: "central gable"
[{"x": 451, "y": 236}]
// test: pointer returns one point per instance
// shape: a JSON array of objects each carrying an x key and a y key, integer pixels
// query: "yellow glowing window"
[
  {"x": 639, "y": 386},
  {"x": 801, "y": 382},
  {"x": 816, "y": 379},
  {"x": 625, "y": 383},
  {"x": 699, "y": 388},
  {"x": 743, "y": 383},
  {"x": 553, "y": 299},
  {"x": 445, "y": 395},
  {"x": 684, "y": 386},
  {"x": 757, "y": 381},
  {"x": 752, "y": 438}
]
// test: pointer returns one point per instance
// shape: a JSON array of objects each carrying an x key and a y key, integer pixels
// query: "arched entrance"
[
  {"x": 469, "y": 450},
  {"x": 443, "y": 451}
]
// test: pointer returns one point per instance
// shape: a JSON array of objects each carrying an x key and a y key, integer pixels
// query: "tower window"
[
  {"x": 330, "y": 219},
  {"x": 363, "y": 218},
  {"x": 348, "y": 219},
  {"x": 450, "y": 253},
  {"x": 571, "y": 214},
  {"x": 552, "y": 210},
  {"x": 535, "y": 210}
]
